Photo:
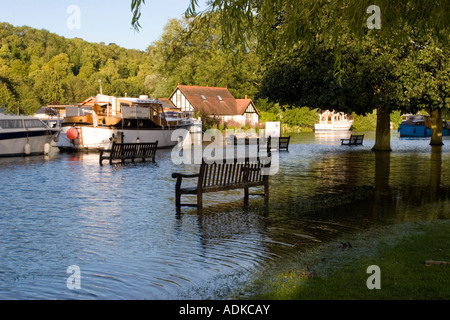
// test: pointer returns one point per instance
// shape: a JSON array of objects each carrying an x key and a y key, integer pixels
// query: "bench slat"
[{"x": 129, "y": 151}]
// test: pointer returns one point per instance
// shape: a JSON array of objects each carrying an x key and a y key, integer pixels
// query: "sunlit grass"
[{"x": 334, "y": 272}]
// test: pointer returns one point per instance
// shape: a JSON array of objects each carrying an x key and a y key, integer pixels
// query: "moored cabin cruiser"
[
  {"x": 334, "y": 121},
  {"x": 419, "y": 125},
  {"x": 100, "y": 120},
  {"x": 24, "y": 135}
]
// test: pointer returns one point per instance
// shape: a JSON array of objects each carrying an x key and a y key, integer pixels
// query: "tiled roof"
[
  {"x": 210, "y": 100},
  {"x": 242, "y": 105}
]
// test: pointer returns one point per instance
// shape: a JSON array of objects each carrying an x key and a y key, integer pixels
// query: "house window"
[
  {"x": 203, "y": 97},
  {"x": 220, "y": 98}
]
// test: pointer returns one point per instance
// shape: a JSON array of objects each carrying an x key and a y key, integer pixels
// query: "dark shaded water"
[{"x": 119, "y": 224}]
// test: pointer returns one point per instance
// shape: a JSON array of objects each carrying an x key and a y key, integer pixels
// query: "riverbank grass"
[{"x": 339, "y": 270}]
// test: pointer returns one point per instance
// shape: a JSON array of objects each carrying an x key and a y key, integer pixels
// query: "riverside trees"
[
  {"x": 195, "y": 57},
  {"x": 427, "y": 83},
  {"x": 290, "y": 26},
  {"x": 39, "y": 68}
]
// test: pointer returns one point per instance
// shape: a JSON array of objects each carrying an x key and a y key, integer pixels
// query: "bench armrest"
[
  {"x": 104, "y": 150},
  {"x": 181, "y": 175}
]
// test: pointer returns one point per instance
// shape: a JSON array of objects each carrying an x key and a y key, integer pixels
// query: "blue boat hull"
[{"x": 407, "y": 130}]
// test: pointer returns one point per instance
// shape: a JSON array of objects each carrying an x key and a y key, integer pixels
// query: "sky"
[{"x": 107, "y": 21}]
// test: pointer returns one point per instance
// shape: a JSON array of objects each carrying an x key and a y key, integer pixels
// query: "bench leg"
[
  {"x": 246, "y": 193},
  {"x": 178, "y": 193},
  {"x": 266, "y": 193},
  {"x": 199, "y": 200},
  {"x": 177, "y": 199}
]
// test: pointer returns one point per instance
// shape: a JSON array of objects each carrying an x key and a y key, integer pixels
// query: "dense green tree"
[
  {"x": 369, "y": 78},
  {"x": 287, "y": 26},
  {"x": 283, "y": 23},
  {"x": 196, "y": 58},
  {"x": 427, "y": 83},
  {"x": 38, "y": 68}
]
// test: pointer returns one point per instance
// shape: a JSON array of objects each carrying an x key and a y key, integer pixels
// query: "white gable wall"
[{"x": 180, "y": 101}]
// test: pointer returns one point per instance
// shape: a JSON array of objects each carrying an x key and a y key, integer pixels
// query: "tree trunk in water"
[
  {"x": 383, "y": 133},
  {"x": 436, "y": 127},
  {"x": 435, "y": 172}
]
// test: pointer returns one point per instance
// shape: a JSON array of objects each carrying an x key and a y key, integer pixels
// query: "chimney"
[{"x": 245, "y": 96}]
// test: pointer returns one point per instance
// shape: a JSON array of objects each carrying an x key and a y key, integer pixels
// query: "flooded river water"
[{"x": 118, "y": 223}]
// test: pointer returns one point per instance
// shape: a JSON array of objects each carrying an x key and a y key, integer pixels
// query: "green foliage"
[
  {"x": 427, "y": 77},
  {"x": 38, "y": 68},
  {"x": 286, "y": 24},
  {"x": 367, "y": 122},
  {"x": 396, "y": 119},
  {"x": 370, "y": 76},
  {"x": 266, "y": 116},
  {"x": 301, "y": 117},
  {"x": 268, "y": 106},
  {"x": 196, "y": 58}
]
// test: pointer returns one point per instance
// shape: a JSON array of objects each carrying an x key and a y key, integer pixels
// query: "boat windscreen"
[
  {"x": 11, "y": 124},
  {"x": 34, "y": 123}
]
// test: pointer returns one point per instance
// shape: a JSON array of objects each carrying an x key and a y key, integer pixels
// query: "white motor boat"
[
  {"x": 334, "y": 121},
  {"x": 100, "y": 120},
  {"x": 24, "y": 135}
]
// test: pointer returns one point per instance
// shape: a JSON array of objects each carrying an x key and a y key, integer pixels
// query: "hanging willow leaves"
[
  {"x": 136, "y": 10},
  {"x": 283, "y": 24}
]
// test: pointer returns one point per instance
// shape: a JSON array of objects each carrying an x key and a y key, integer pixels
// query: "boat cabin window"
[
  {"x": 34, "y": 123},
  {"x": 123, "y": 105},
  {"x": 11, "y": 124},
  {"x": 154, "y": 112}
]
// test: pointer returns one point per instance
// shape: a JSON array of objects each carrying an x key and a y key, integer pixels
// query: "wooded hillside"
[{"x": 39, "y": 68}]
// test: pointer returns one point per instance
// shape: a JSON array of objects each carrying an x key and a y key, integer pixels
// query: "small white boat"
[
  {"x": 334, "y": 121},
  {"x": 24, "y": 135}
]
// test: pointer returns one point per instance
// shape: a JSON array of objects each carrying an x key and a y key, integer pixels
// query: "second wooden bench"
[
  {"x": 355, "y": 139},
  {"x": 129, "y": 151}
]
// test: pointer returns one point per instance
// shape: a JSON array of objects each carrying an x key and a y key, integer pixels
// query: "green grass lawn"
[{"x": 333, "y": 272}]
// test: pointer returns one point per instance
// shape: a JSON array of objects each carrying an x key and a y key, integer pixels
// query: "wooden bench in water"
[
  {"x": 264, "y": 142},
  {"x": 129, "y": 151},
  {"x": 229, "y": 175},
  {"x": 355, "y": 139},
  {"x": 283, "y": 142}
]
